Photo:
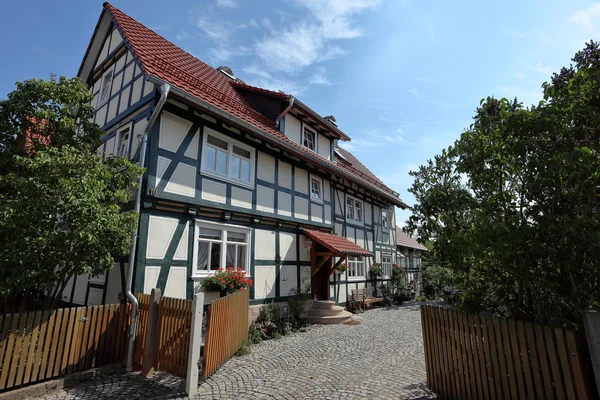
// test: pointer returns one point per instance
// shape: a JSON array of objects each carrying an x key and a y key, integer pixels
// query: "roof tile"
[
  {"x": 402, "y": 239},
  {"x": 337, "y": 244}
]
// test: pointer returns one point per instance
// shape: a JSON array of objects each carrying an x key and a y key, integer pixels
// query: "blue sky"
[{"x": 402, "y": 77}]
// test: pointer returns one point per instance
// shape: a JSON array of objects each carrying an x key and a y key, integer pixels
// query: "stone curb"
[{"x": 64, "y": 382}]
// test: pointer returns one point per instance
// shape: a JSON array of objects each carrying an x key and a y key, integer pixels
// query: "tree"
[
  {"x": 513, "y": 204},
  {"x": 60, "y": 205}
]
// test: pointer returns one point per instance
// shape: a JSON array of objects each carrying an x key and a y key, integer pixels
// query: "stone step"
[
  {"x": 339, "y": 318},
  {"x": 323, "y": 304},
  {"x": 316, "y": 312}
]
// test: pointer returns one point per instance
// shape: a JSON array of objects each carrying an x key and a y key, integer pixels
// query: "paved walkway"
[{"x": 382, "y": 358}]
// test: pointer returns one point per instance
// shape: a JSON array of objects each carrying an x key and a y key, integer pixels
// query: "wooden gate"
[
  {"x": 478, "y": 356},
  {"x": 40, "y": 345},
  {"x": 173, "y": 336},
  {"x": 226, "y": 330}
]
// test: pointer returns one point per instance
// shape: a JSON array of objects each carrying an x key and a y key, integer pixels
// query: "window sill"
[
  {"x": 226, "y": 179},
  {"x": 316, "y": 201},
  {"x": 356, "y": 278},
  {"x": 355, "y": 223}
]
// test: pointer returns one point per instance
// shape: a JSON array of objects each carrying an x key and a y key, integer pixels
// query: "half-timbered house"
[{"x": 236, "y": 175}]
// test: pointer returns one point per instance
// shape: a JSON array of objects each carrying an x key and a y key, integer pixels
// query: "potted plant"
[
  {"x": 227, "y": 281},
  {"x": 340, "y": 269},
  {"x": 375, "y": 270}
]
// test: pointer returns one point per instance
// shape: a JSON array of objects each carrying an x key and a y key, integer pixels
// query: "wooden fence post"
[
  {"x": 591, "y": 322},
  {"x": 151, "y": 334},
  {"x": 191, "y": 383}
]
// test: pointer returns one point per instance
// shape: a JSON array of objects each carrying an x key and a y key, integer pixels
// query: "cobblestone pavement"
[{"x": 382, "y": 358}]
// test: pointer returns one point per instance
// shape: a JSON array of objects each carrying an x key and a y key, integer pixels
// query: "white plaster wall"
[
  {"x": 137, "y": 89},
  {"x": 316, "y": 212},
  {"x": 304, "y": 252},
  {"x": 116, "y": 83},
  {"x": 160, "y": 233},
  {"x": 162, "y": 163},
  {"x": 264, "y": 244},
  {"x": 214, "y": 191},
  {"x": 360, "y": 238},
  {"x": 112, "y": 109},
  {"x": 342, "y": 297},
  {"x": 301, "y": 180},
  {"x": 305, "y": 278},
  {"x": 101, "y": 115},
  {"x": 264, "y": 281},
  {"x": 150, "y": 278},
  {"x": 172, "y": 131},
  {"x": 95, "y": 297},
  {"x": 370, "y": 240},
  {"x": 138, "y": 129},
  {"x": 176, "y": 282},
  {"x": 338, "y": 229},
  {"x": 265, "y": 199},
  {"x": 284, "y": 204},
  {"x": 324, "y": 147},
  {"x": 340, "y": 208},
  {"x": 367, "y": 211},
  {"x": 301, "y": 208},
  {"x": 148, "y": 88},
  {"x": 113, "y": 285},
  {"x": 285, "y": 175},
  {"x": 183, "y": 181},
  {"x": 328, "y": 215},
  {"x": 287, "y": 279},
  {"x": 192, "y": 150},
  {"x": 115, "y": 41},
  {"x": 351, "y": 234},
  {"x": 103, "y": 52},
  {"x": 326, "y": 190},
  {"x": 124, "y": 99},
  {"x": 128, "y": 73},
  {"x": 110, "y": 147},
  {"x": 266, "y": 167},
  {"x": 287, "y": 246},
  {"x": 293, "y": 128},
  {"x": 181, "y": 252},
  {"x": 241, "y": 198}
]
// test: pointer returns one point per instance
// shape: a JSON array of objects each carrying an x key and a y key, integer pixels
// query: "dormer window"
[{"x": 309, "y": 139}]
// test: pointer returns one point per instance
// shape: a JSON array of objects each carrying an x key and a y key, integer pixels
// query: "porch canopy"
[{"x": 336, "y": 246}]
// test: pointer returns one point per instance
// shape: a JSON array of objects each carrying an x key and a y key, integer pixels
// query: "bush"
[
  {"x": 255, "y": 335},
  {"x": 436, "y": 279},
  {"x": 297, "y": 304},
  {"x": 246, "y": 348}
]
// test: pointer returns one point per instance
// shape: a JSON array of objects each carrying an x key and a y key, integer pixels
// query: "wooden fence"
[
  {"x": 173, "y": 335},
  {"x": 40, "y": 345},
  {"x": 141, "y": 329},
  {"x": 477, "y": 357},
  {"x": 226, "y": 330}
]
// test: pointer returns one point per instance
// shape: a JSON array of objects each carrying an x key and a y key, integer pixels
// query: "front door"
[{"x": 320, "y": 279}]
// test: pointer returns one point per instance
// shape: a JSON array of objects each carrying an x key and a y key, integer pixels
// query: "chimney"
[
  {"x": 225, "y": 70},
  {"x": 331, "y": 119}
]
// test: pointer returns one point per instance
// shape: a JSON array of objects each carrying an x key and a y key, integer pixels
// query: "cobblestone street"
[{"x": 382, "y": 358}]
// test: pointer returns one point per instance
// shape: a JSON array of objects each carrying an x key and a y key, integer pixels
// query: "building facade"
[
  {"x": 235, "y": 176},
  {"x": 408, "y": 254}
]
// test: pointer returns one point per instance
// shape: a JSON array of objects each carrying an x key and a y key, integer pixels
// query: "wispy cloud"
[
  {"x": 520, "y": 75},
  {"x": 159, "y": 28},
  {"x": 511, "y": 32},
  {"x": 585, "y": 18},
  {"x": 312, "y": 38},
  {"x": 544, "y": 69},
  {"x": 319, "y": 77},
  {"x": 257, "y": 76},
  {"x": 226, "y": 3},
  {"x": 526, "y": 96}
]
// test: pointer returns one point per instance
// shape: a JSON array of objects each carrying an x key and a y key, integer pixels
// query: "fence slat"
[
  {"x": 516, "y": 358},
  {"x": 40, "y": 346},
  {"x": 464, "y": 358},
  {"x": 481, "y": 387},
  {"x": 576, "y": 367},
  {"x": 489, "y": 360},
  {"x": 60, "y": 338},
  {"x": 9, "y": 349},
  {"x": 76, "y": 338},
  {"x": 4, "y": 334},
  {"x": 27, "y": 340},
  {"x": 543, "y": 359},
  {"x": 526, "y": 363},
  {"x": 32, "y": 347}
]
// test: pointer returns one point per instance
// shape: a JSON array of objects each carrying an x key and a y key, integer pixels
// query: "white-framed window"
[
  {"x": 386, "y": 265},
  {"x": 309, "y": 138},
  {"x": 227, "y": 159},
  {"x": 220, "y": 246},
  {"x": 122, "y": 141},
  {"x": 105, "y": 86},
  {"x": 354, "y": 210},
  {"x": 316, "y": 189},
  {"x": 356, "y": 267},
  {"x": 385, "y": 224},
  {"x": 98, "y": 279}
]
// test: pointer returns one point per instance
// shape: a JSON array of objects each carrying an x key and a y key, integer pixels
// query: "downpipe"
[{"x": 138, "y": 202}]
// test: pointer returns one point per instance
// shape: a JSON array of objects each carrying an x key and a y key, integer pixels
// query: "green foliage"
[
  {"x": 435, "y": 279},
  {"x": 246, "y": 348},
  {"x": 60, "y": 206},
  {"x": 297, "y": 304},
  {"x": 255, "y": 335},
  {"x": 229, "y": 280},
  {"x": 512, "y": 207},
  {"x": 398, "y": 276}
]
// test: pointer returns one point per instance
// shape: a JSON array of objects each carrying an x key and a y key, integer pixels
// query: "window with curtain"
[
  {"x": 221, "y": 247},
  {"x": 356, "y": 267},
  {"x": 227, "y": 159},
  {"x": 354, "y": 211},
  {"x": 386, "y": 265}
]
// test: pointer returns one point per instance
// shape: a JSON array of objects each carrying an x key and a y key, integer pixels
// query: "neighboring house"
[
  {"x": 408, "y": 254},
  {"x": 236, "y": 176}
]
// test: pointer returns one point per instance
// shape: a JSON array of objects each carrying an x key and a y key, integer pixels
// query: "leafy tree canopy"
[
  {"x": 60, "y": 206},
  {"x": 513, "y": 205}
]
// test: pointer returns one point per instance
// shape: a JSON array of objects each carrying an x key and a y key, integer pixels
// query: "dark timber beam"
[
  {"x": 320, "y": 264},
  {"x": 337, "y": 264}
]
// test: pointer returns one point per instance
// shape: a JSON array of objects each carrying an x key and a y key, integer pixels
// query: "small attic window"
[
  {"x": 308, "y": 139},
  {"x": 105, "y": 87}
]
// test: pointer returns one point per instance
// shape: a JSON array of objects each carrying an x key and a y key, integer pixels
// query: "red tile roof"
[
  {"x": 164, "y": 60},
  {"x": 402, "y": 239},
  {"x": 337, "y": 244}
]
